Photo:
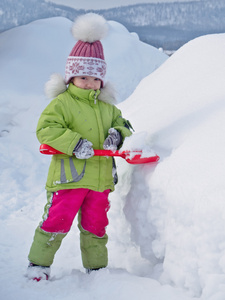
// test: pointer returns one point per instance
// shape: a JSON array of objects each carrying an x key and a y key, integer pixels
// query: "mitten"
[
  {"x": 83, "y": 149},
  {"x": 113, "y": 140}
]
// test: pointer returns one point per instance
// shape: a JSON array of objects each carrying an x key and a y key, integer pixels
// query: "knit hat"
[{"x": 87, "y": 56}]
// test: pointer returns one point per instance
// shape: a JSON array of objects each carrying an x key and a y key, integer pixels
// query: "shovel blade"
[{"x": 137, "y": 159}]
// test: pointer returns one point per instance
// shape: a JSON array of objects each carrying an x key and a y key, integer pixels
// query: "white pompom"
[
  {"x": 89, "y": 28},
  {"x": 55, "y": 86}
]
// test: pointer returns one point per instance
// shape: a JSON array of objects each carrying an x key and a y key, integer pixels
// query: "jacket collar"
[
  {"x": 56, "y": 85},
  {"x": 88, "y": 95}
]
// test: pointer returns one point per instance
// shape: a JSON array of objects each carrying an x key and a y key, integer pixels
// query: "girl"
[{"x": 78, "y": 120}]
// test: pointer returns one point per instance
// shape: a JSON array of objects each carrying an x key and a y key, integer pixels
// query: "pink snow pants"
[{"x": 65, "y": 205}]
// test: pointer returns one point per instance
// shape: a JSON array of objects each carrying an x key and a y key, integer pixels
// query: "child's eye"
[
  {"x": 83, "y": 78},
  {"x": 97, "y": 79}
]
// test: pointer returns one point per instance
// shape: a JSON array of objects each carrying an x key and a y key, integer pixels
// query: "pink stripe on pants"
[{"x": 66, "y": 204}]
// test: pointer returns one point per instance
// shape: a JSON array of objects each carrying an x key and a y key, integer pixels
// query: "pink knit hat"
[{"x": 87, "y": 56}]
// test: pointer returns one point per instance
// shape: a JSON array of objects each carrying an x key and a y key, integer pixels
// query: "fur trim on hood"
[{"x": 56, "y": 85}]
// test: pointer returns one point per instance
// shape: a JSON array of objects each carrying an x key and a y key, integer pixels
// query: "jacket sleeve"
[
  {"x": 53, "y": 129},
  {"x": 121, "y": 124}
]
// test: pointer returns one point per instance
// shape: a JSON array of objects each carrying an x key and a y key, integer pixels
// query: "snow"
[{"x": 166, "y": 231}]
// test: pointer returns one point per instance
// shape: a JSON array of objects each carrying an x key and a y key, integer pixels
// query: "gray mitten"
[
  {"x": 113, "y": 140},
  {"x": 83, "y": 149}
]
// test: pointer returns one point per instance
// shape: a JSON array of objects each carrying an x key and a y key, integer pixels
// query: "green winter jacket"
[{"x": 75, "y": 114}]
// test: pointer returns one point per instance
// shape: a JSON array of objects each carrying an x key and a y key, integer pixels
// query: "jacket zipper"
[{"x": 95, "y": 96}]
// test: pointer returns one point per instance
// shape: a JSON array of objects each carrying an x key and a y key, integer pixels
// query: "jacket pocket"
[{"x": 70, "y": 168}]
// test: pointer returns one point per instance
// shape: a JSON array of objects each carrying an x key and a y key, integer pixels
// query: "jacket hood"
[{"x": 56, "y": 85}]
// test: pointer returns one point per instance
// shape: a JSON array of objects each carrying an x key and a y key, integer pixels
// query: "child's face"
[{"x": 87, "y": 82}]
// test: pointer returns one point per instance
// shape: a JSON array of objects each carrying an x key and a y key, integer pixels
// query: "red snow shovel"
[{"x": 132, "y": 157}]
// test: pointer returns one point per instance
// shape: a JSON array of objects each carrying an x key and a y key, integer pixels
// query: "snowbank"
[{"x": 184, "y": 115}]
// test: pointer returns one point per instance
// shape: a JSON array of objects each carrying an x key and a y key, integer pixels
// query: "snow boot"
[
  {"x": 88, "y": 271},
  {"x": 37, "y": 273}
]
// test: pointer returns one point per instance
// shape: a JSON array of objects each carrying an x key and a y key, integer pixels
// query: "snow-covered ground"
[{"x": 166, "y": 231}]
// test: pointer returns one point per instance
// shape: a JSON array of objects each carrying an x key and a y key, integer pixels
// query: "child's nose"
[{"x": 90, "y": 85}]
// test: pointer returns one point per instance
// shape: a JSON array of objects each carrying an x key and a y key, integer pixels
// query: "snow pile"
[
  {"x": 184, "y": 113},
  {"x": 166, "y": 232}
]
